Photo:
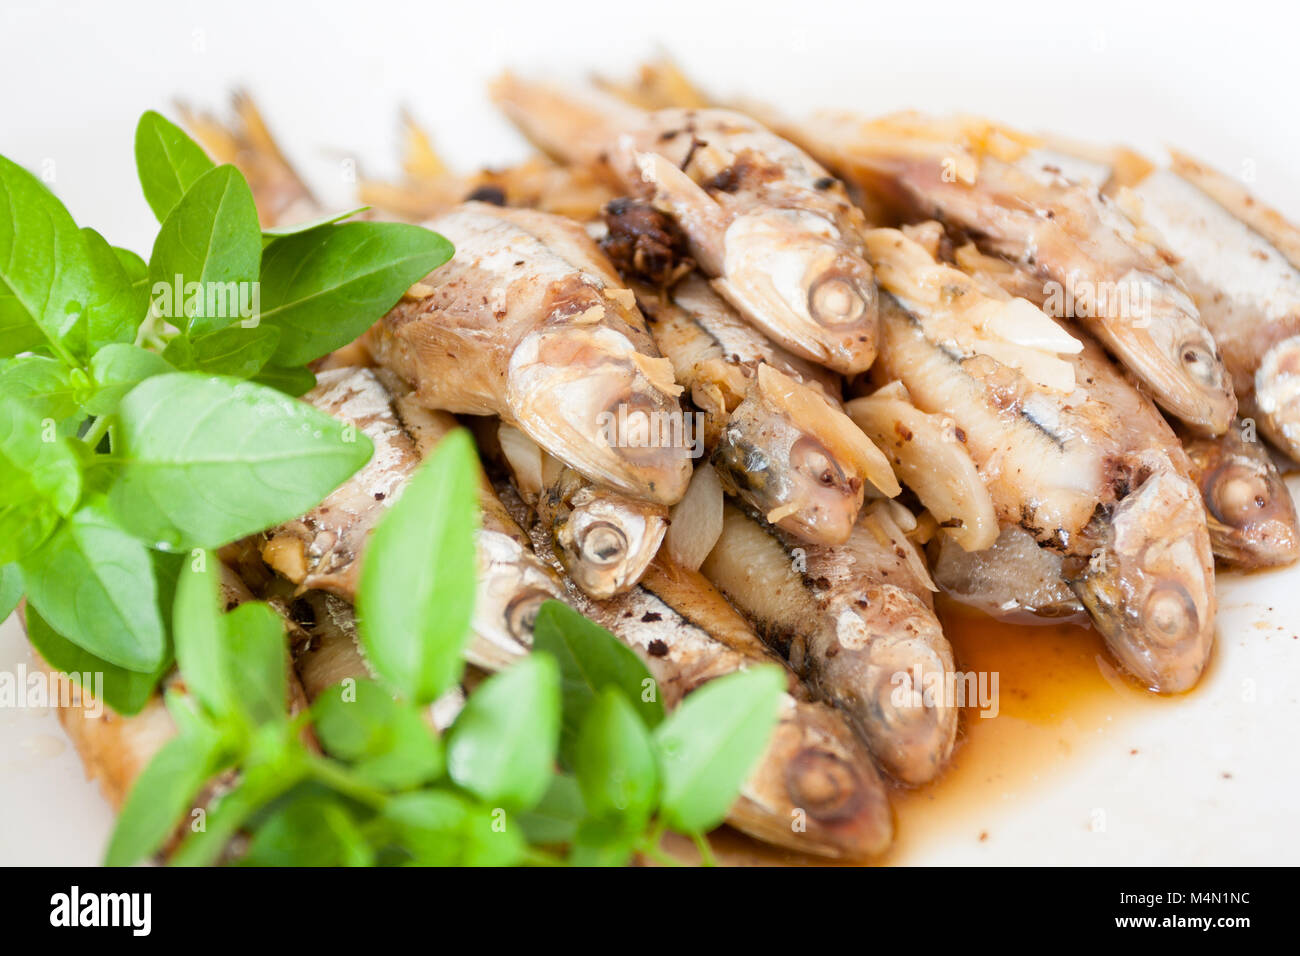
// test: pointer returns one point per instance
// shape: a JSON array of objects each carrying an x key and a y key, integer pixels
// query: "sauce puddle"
[{"x": 1058, "y": 696}]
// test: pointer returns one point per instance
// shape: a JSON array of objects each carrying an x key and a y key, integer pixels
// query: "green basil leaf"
[
  {"x": 114, "y": 310},
  {"x": 314, "y": 830},
  {"x": 11, "y": 589},
  {"x": 416, "y": 595},
  {"x": 615, "y": 762},
  {"x": 711, "y": 742},
  {"x": 208, "y": 460},
  {"x": 125, "y": 691},
  {"x": 202, "y": 642},
  {"x": 161, "y": 795},
  {"x": 212, "y": 238},
  {"x": 45, "y": 385},
  {"x": 95, "y": 585},
  {"x": 168, "y": 162},
  {"x": 45, "y": 272},
  {"x": 437, "y": 828},
  {"x": 502, "y": 746},
  {"x": 555, "y": 818},
  {"x": 276, "y": 232},
  {"x": 257, "y": 661},
  {"x": 323, "y": 288},
  {"x": 602, "y": 843},
  {"x": 117, "y": 369},
  {"x": 590, "y": 660},
  {"x": 235, "y": 350},
  {"x": 41, "y": 479},
  {"x": 389, "y": 742},
  {"x": 291, "y": 381},
  {"x": 265, "y": 777}
]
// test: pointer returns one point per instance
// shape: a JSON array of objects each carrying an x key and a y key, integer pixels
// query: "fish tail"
[{"x": 570, "y": 124}]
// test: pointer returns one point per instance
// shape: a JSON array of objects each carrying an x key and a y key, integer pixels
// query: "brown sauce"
[{"x": 1059, "y": 696}]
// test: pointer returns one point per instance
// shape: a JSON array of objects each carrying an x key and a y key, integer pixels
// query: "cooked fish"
[
  {"x": 780, "y": 440},
  {"x": 814, "y": 771},
  {"x": 1013, "y": 580},
  {"x": 1091, "y": 261},
  {"x": 1091, "y": 471},
  {"x": 1248, "y": 293},
  {"x": 1250, "y": 513},
  {"x": 857, "y": 622},
  {"x": 322, "y": 549},
  {"x": 529, "y": 322},
  {"x": 603, "y": 538},
  {"x": 773, "y": 229}
]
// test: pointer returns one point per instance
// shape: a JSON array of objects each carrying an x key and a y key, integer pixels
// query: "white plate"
[{"x": 1204, "y": 779}]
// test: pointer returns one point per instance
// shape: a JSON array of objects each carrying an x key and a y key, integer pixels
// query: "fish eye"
[
  {"x": 521, "y": 613},
  {"x": 602, "y": 544},
  {"x": 1238, "y": 496},
  {"x": 810, "y": 457},
  {"x": 1169, "y": 615},
  {"x": 821, "y": 783},
  {"x": 836, "y": 300},
  {"x": 1200, "y": 363}
]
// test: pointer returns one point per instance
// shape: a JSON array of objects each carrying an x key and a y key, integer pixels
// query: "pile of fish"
[{"x": 749, "y": 391}]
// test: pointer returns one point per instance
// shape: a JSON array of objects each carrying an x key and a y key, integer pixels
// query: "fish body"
[
  {"x": 1248, "y": 292},
  {"x": 776, "y": 232},
  {"x": 323, "y": 549},
  {"x": 857, "y": 623},
  {"x": 529, "y": 322},
  {"x": 1092, "y": 472},
  {"x": 1090, "y": 260},
  {"x": 1012, "y": 580}
]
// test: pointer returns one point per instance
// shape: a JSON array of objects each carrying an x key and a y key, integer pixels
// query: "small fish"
[
  {"x": 778, "y": 435},
  {"x": 1092, "y": 471},
  {"x": 1250, "y": 513},
  {"x": 603, "y": 538},
  {"x": 1011, "y": 580},
  {"x": 1248, "y": 293},
  {"x": 322, "y": 549},
  {"x": 776, "y": 233},
  {"x": 1090, "y": 260},
  {"x": 814, "y": 768},
  {"x": 529, "y": 322},
  {"x": 856, "y": 621}
]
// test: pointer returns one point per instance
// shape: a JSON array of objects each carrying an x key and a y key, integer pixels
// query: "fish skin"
[
  {"x": 773, "y": 229},
  {"x": 529, "y": 322},
  {"x": 1096, "y": 475},
  {"x": 1249, "y": 510},
  {"x": 781, "y": 460},
  {"x": 1248, "y": 292},
  {"x": 322, "y": 549},
  {"x": 1073, "y": 240},
  {"x": 1013, "y": 580},
  {"x": 855, "y": 624}
]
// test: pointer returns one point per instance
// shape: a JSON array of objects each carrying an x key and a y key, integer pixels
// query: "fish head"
[
  {"x": 895, "y": 665},
  {"x": 789, "y": 453},
  {"x": 512, "y": 586},
  {"x": 607, "y": 540},
  {"x": 589, "y": 397},
  {"x": 1249, "y": 511},
  {"x": 791, "y": 273},
  {"x": 1277, "y": 395},
  {"x": 1149, "y": 586},
  {"x": 816, "y": 767}
]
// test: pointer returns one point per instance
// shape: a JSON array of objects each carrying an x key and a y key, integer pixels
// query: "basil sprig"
[{"x": 144, "y": 407}]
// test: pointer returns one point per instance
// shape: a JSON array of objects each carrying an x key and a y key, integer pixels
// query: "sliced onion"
[
  {"x": 525, "y": 459},
  {"x": 880, "y": 515},
  {"x": 696, "y": 519},
  {"x": 929, "y": 459}
]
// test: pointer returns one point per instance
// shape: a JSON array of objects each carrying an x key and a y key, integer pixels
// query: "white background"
[{"x": 1217, "y": 79}]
